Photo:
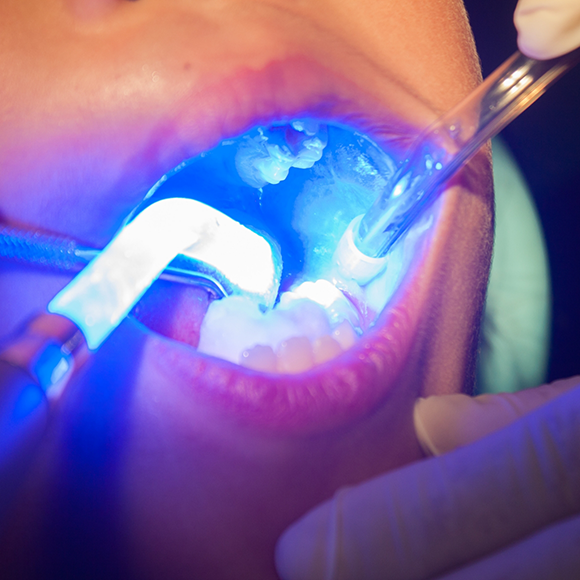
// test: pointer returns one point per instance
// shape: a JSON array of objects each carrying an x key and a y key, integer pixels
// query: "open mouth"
[
  {"x": 330, "y": 346},
  {"x": 179, "y": 115}
]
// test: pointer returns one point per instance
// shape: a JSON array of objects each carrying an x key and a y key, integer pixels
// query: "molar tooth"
[
  {"x": 259, "y": 358},
  {"x": 308, "y": 126},
  {"x": 335, "y": 304},
  {"x": 266, "y": 156},
  {"x": 275, "y": 168},
  {"x": 325, "y": 348},
  {"x": 308, "y": 316},
  {"x": 344, "y": 334},
  {"x": 295, "y": 355}
]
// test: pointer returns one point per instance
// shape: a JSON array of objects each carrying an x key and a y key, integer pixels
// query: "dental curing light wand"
[{"x": 438, "y": 153}]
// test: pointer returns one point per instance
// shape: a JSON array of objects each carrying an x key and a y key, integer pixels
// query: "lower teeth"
[{"x": 291, "y": 338}]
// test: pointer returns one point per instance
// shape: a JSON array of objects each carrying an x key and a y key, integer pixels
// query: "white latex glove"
[
  {"x": 505, "y": 506},
  {"x": 547, "y": 28}
]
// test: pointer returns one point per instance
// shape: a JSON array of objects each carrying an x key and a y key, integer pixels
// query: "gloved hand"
[
  {"x": 504, "y": 506},
  {"x": 547, "y": 28}
]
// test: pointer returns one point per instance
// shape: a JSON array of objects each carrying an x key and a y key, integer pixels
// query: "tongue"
[{"x": 173, "y": 310}]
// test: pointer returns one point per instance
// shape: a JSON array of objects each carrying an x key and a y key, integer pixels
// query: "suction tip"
[{"x": 352, "y": 263}]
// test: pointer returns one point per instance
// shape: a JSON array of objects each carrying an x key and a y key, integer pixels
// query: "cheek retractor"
[{"x": 107, "y": 289}]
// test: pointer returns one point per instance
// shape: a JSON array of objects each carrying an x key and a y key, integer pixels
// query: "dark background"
[{"x": 545, "y": 140}]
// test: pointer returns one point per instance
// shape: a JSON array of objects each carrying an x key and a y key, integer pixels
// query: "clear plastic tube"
[{"x": 450, "y": 142}]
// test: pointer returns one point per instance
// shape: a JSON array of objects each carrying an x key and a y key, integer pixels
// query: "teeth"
[
  {"x": 323, "y": 292},
  {"x": 308, "y": 126},
  {"x": 344, "y": 334},
  {"x": 306, "y": 315},
  {"x": 267, "y": 156},
  {"x": 295, "y": 355},
  {"x": 289, "y": 339},
  {"x": 260, "y": 358},
  {"x": 325, "y": 348},
  {"x": 274, "y": 167}
]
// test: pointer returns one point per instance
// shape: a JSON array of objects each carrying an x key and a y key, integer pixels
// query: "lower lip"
[{"x": 322, "y": 398}]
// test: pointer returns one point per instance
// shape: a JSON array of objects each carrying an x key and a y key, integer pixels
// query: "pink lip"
[{"x": 351, "y": 385}]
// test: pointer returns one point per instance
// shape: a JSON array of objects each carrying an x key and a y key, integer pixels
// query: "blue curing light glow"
[
  {"x": 108, "y": 288},
  {"x": 300, "y": 183},
  {"x": 52, "y": 366},
  {"x": 29, "y": 400}
]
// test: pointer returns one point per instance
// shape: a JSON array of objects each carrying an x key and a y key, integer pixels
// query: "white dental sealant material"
[
  {"x": 267, "y": 156},
  {"x": 302, "y": 183}
]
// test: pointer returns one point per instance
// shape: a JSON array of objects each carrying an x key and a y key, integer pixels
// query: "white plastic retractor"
[{"x": 352, "y": 263}]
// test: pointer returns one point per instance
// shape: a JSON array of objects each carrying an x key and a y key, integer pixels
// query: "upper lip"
[{"x": 351, "y": 385}]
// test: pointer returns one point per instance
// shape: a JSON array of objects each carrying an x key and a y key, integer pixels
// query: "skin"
[{"x": 165, "y": 463}]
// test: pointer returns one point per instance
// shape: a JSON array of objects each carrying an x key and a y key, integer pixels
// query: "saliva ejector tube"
[{"x": 438, "y": 153}]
